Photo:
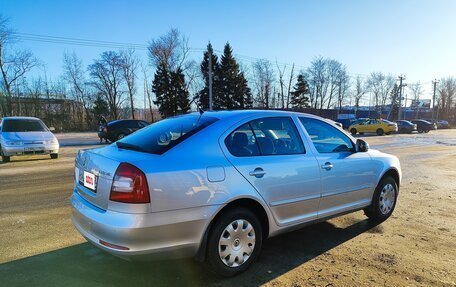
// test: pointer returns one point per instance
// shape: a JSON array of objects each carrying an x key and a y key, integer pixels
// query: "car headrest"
[
  {"x": 240, "y": 139},
  {"x": 266, "y": 145}
]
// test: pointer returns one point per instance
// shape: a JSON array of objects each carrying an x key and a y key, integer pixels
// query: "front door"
[
  {"x": 271, "y": 155},
  {"x": 347, "y": 177}
]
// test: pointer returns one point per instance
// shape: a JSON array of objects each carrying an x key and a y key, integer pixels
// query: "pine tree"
[
  {"x": 204, "y": 93},
  {"x": 299, "y": 98},
  {"x": 160, "y": 87},
  {"x": 171, "y": 95},
  {"x": 181, "y": 102},
  {"x": 233, "y": 88}
]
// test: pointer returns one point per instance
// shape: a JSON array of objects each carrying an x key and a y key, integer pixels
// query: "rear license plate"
[
  {"x": 90, "y": 180},
  {"x": 33, "y": 148}
]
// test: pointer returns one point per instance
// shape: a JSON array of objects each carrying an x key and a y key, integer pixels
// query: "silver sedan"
[
  {"x": 216, "y": 185},
  {"x": 26, "y": 136}
]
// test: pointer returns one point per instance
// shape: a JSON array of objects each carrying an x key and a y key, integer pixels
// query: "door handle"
[
  {"x": 258, "y": 172},
  {"x": 327, "y": 166}
]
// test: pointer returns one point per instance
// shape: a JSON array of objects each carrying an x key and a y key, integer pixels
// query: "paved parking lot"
[{"x": 416, "y": 247}]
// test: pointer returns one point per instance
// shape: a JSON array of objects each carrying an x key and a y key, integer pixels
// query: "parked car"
[
  {"x": 441, "y": 124},
  {"x": 215, "y": 186},
  {"x": 119, "y": 129},
  {"x": 378, "y": 126},
  {"x": 404, "y": 126},
  {"x": 26, "y": 136},
  {"x": 424, "y": 126}
]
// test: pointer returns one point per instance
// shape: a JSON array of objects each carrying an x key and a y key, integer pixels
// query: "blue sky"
[{"x": 415, "y": 38}]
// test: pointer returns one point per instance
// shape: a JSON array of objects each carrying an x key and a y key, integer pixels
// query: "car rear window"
[
  {"x": 165, "y": 134},
  {"x": 387, "y": 122},
  {"x": 23, "y": 125}
]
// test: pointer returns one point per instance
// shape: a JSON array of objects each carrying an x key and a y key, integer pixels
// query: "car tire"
[
  {"x": 54, "y": 155},
  {"x": 5, "y": 158},
  {"x": 237, "y": 242},
  {"x": 420, "y": 131},
  {"x": 383, "y": 201},
  {"x": 380, "y": 132},
  {"x": 353, "y": 131}
]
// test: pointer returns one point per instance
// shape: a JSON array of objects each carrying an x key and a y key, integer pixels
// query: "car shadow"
[{"x": 85, "y": 265}]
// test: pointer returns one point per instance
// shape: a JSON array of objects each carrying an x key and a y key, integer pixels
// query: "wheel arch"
[
  {"x": 394, "y": 173},
  {"x": 251, "y": 204}
]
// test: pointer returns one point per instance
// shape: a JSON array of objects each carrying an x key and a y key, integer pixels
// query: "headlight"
[
  {"x": 53, "y": 141},
  {"x": 15, "y": 143}
]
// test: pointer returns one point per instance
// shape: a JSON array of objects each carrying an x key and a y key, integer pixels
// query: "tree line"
[{"x": 175, "y": 83}]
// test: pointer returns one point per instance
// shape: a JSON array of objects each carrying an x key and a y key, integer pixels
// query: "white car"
[{"x": 26, "y": 136}]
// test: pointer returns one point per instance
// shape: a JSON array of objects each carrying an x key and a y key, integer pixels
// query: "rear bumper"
[
  {"x": 29, "y": 150},
  {"x": 159, "y": 235}
]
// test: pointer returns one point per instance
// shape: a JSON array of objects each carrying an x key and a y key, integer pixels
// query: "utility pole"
[
  {"x": 399, "y": 114},
  {"x": 210, "y": 80},
  {"x": 435, "y": 82}
]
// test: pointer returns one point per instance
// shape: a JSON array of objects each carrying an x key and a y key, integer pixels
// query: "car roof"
[
  {"x": 19, "y": 118},
  {"x": 247, "y": 113}
]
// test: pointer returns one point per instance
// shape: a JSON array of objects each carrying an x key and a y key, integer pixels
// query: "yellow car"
[{"x": 378, "y": 126}]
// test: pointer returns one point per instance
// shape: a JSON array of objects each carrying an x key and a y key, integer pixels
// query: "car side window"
[
  {"x": 242, "y": 142},
  {"x": 277, "y": 136},
  {"x": 326, "y": 138}
]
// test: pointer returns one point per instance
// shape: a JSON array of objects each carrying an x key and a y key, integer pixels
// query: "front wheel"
[
  {"x": 234, "y": 242},
  {"x": 353, "y": 131},
  {"x": 54, "y": 155},
  {"x": 380, "y": 132},
  {"x": 383, "y": 201}
]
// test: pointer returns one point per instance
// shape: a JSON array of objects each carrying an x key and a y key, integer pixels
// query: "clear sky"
[{"x": 415, "y": 38}]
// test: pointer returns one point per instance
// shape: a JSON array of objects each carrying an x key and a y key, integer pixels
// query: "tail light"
[{"x": 129, "y": 185}]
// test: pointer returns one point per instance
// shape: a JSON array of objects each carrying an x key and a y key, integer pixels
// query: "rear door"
[
  {"x": 347, "y": 177},
  {"x": 270, "y": 154}
]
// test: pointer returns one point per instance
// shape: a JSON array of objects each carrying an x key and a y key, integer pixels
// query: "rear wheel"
[
  {"x": 234, "y": 242},
  {"x": 380, "y": 132},
  {"x": 54, "y": 155},
  {"x": 5, "y": 158},
  {"x": 353, "y": 131},
  {"x": 383, "y": 201}
]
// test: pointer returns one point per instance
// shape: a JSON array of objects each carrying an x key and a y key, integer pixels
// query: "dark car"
[
  {"x": 441, "y": 124},
  {"x": 119, "y": 129},
  {"x": 406, "y": 127},
  {"x": 424, "y": 126}
]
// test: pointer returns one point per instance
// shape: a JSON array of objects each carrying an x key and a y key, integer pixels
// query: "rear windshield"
[
  {"x": 387, "y": 122},
  {"x": 13, "y": 125},
  {"x": 163, "y": 135}
]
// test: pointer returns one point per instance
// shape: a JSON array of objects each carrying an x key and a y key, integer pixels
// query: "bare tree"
[
  {"x": 380, "y": 85},
  {"x": 263, "y": 79},
  {"x": 360, "y": 90},
  {"x": 74, "y": 75},
  {"x": 129, "y": 66},
  {"x": 106, "y": 74},
  {"x": 315, "y": 75},
  {"x": 447, "y": 95},
  {"x": 171, "y": 49},
  {"x": 13, "y": 65},
  {"x": 343, "y": 85},
  {"x": 290, "y": 83},
  {"x": 417, "y": 91},
  {"x": 148, "y": 92},
  {"x": 281, "y": 83}
]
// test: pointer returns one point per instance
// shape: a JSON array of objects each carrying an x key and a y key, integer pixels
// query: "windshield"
[
  {"x": 23, "y": 125},
  {"x": 165, "y": 134}
]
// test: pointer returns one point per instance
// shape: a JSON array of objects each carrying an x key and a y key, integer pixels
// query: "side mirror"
[
  {"x": 51, "y": 129},
  {"x": 361, "y": 146}
]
